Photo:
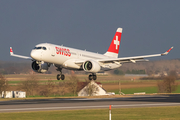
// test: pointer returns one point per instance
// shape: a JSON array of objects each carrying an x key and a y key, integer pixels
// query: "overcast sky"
[{"x": 149, "y": 26}]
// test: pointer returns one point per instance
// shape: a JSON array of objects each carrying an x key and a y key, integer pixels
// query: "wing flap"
[{"x": 79, "y": 61}]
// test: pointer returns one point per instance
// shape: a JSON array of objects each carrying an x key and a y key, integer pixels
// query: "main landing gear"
[
  {"x": 60, "y": 76},
  {"x": 92, "y": 76}
]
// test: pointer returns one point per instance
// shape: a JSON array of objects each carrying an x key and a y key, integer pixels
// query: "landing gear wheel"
[
  {"x": 94, "y": 77},
  {"x": 62, "y": 77},
  {"x": 58, "y": 76},
  {"x": 90, "y": 77}
]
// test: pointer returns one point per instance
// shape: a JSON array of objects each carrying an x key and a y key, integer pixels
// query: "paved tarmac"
[{"x": 93, "y": 103}]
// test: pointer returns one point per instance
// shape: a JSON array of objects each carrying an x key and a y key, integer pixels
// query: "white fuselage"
[{"x": 68, "y": 57}]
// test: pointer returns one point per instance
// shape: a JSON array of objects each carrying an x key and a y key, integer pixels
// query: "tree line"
[
  {"x": 151, "y": 67},
  {"x": 33, "y": 87},
  {"x": 121, "y": 72}
]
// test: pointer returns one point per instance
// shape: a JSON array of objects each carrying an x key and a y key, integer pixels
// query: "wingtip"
[
  {"x": 167, "y": 51},
  {"x": 11, "y": 51},
  {"x": 170, "y": 49},
  {"x": 120, "y": 30}
]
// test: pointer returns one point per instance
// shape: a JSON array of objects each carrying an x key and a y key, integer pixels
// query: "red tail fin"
[{"x": 114, "y": 46}]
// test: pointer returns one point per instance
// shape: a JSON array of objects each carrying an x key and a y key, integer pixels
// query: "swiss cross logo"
[
  {"x": 114, "y": 46},
  {"x": 116, "y": 42}
]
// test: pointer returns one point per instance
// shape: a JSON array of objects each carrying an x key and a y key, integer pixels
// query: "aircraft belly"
[
  {"x": 59, "y": 60},
  {"x": 54, "y": 59},
  {"x": 71, "y": 64}
]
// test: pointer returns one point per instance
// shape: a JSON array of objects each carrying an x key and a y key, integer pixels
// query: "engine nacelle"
[
  {"x": 39, "y": 67},
  {"x": 91, "y": 66}
]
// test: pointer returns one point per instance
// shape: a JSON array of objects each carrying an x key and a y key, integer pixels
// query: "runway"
[{"x": 93, "y": 103}]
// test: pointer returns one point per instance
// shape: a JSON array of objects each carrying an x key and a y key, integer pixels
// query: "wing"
[
  {"x": 20, "y": 56},
  {"x": 132, "y": 59}
]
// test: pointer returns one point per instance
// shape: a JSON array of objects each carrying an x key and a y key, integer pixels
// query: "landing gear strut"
[
  {"x": 92, "y": 76},
  {"x": 60, "y": 76}
]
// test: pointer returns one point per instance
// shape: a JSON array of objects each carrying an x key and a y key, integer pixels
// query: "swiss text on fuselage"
[{"x": 63, "y": 51}]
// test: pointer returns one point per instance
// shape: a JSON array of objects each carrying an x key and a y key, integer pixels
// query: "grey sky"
[{"x": 148, "y": 26}]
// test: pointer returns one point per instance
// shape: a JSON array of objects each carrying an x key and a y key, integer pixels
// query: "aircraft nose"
[{"x": 35, "y": 55}]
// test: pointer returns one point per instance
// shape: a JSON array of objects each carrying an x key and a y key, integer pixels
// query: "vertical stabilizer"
[{"x": 114, "y": 46}]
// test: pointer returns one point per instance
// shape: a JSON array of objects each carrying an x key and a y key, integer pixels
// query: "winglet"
[
  {"x": 11, "y": 51},
  {"x": 167, "y": 51}
]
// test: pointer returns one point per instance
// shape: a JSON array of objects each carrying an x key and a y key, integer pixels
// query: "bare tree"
[
  {"x": 73, "y": 84},
  {"x": 48, "y": 89},
  {"x": 62, "y": 86},
  {"x": 3, "y": 84},
  {"x": 30, "y": 84},
  {"x": 91, "y": 88},
  {"x": 168, "y": 84}
]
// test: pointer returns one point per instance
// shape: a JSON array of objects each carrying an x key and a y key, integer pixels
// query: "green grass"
[
  {"x": 153, "y": 113},
  {"x": 42, "y": 81},
  {"x": 148, "y": 90},
  {"x": 178, "y": 90},
  {"x": 137, "y": 90},
  {"x": 13, "y": 82}
]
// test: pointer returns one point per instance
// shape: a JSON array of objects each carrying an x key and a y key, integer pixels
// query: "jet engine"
[
  {"x": 91, "y": 66},
  {"x": 39, "y": 67}
]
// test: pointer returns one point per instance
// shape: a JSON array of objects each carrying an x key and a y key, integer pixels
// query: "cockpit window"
[
  {"x": 38, "y": 48},
  {"x": 44, "y": 48}
]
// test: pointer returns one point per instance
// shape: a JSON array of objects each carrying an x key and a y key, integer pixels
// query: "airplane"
[{"x": 45, "y": 54}]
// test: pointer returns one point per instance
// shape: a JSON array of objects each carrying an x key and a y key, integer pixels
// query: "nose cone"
[{"x": 35, "y": 55}]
